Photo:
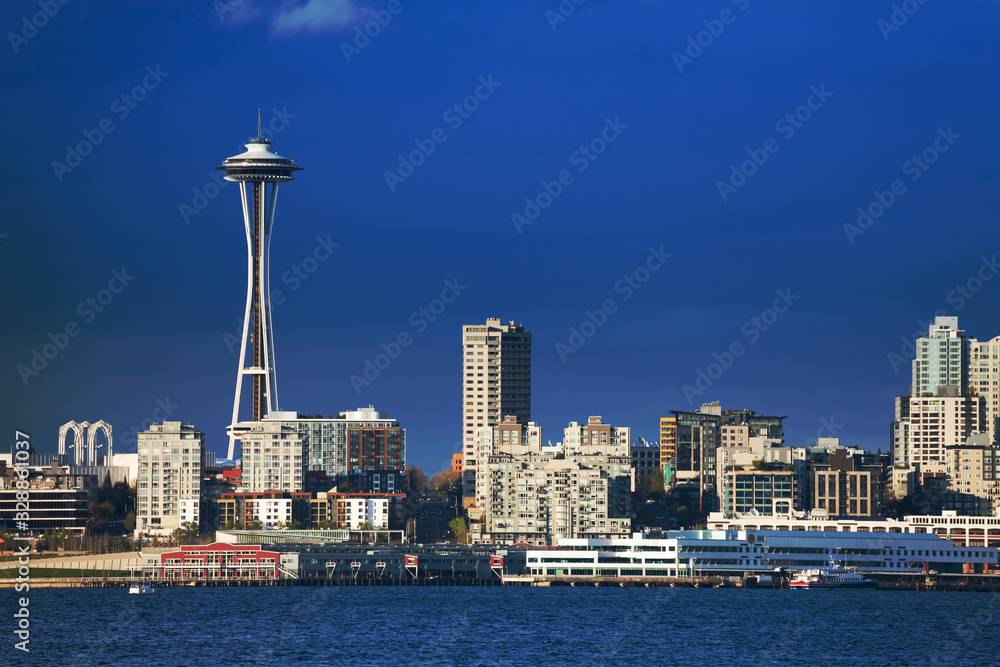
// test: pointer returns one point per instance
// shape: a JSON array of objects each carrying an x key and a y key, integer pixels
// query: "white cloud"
[{"x": 314, "y": 16}]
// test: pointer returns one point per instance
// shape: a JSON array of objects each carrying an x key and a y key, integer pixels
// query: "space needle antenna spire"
[{"x": 258, "y": 171}]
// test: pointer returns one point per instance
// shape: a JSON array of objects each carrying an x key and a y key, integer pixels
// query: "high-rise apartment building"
[
  {"x": 272, "y": 458},
  {"x": 944, "y": 420},
  {"x": 496, "y": 382},
  {"x": 171, "y": 457},
  {"x": 942, "y": 358},
  {"x": 984, "y": 376}
]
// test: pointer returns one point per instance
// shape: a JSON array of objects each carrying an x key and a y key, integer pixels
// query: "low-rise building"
[
  {"x": 216, "y": 561},
  {"x": 270, "y": 508},
  {"x": 373, "y": 510},
  {"x": 747, "y": 488},
  {"x": 645, "y": 462},
  {"x": 49, "y": 509},
  {"x": 734, "y": 551}
]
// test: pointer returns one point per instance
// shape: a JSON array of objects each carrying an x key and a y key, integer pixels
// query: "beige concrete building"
[
  {"x": 843, "y": 492},
  {"x": 529, "y": 493},
  {"x": 972, "y": 479},
  {"x": 273, "y": 457},
  {"x": 984, "y": 376},
  {"x": 496, "y": 382},
  {"x": 596, "y": 437},
  {"x": 171, "y": 457},
  {"x": 941, "y": 421},
  {"x": 539, "y": 499}
]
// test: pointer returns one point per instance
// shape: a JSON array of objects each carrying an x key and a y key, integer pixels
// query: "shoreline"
[{"x": 966, "y": 583}]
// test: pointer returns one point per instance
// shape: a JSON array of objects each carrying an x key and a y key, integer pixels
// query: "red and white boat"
[{"x": 833, "y": 576}]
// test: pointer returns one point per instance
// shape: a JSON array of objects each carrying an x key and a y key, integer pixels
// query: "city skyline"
[{"x": 790, "y": 211}]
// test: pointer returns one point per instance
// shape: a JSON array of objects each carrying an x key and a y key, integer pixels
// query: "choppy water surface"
[{"x": 507, "y": 626}]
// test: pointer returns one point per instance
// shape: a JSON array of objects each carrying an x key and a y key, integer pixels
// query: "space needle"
[{"x": 257, "y": 166}]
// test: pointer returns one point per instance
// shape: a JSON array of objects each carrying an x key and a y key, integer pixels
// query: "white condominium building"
[
  {"x": 942, "y": 358},
  {"x": 171, "y": 457},
  {"x": 272, "y": 457}
]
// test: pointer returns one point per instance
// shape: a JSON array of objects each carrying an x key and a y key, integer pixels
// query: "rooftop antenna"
[{"x": 258, "y": 123}]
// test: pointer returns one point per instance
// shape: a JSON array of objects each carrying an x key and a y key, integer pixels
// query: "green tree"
[
  {"x": 460, "y": 528},
  {"x": 130, "y": 521},
  {"x": 684, "y": 516},
  {"x": 187, "y": 533},
  {"x": 656, "y": 485}
]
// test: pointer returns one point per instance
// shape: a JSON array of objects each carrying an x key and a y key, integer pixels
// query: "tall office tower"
[
  {"x": 257, "y": 166},
  {"x": 171, "y": 457},
  {"x": 983, "y": 378},
  {"x": 942, "y": 357},
  {"x": 496, "y": 382}
]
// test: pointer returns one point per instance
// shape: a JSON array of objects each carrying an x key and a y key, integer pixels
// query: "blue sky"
[{"x": 740, "y": 138}]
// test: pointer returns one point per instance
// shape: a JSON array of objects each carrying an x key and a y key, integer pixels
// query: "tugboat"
[{"x": 832, "y": 576}]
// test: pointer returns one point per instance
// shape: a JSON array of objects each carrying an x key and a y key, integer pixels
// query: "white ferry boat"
[{"x": 832, "y": 576}]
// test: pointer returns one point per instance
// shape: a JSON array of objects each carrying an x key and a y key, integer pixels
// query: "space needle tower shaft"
[{"x": 258, "y": 172}]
